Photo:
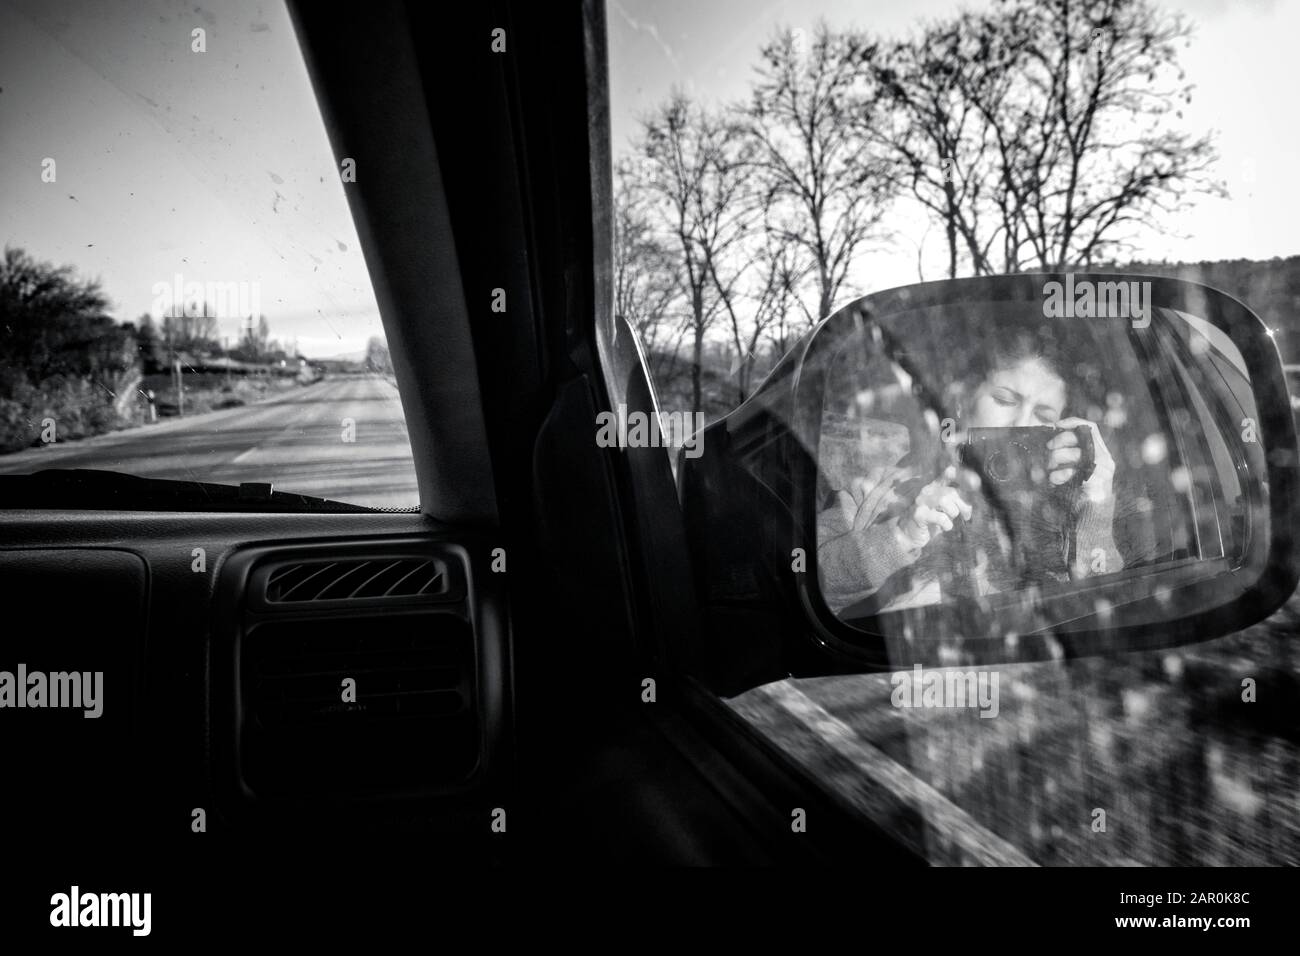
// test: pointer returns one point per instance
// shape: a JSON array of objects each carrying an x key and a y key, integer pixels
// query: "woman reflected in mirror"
[{"x": 927, "y": 527}]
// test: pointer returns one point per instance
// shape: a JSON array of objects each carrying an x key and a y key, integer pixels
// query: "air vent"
[
  {"x": 355, "y": 579},
  {"x": 358, "y": 703}
]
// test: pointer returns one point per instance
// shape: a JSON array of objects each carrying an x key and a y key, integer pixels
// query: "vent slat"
[
  {"x": 286, "y": 595},
  {"x": 358, "y": 592},
  {"x": 279, "y": 574},
  {"x": 336, "y": 589},
  {"x": 397, "y": 587},
  {"x": 361, "y": 579}
]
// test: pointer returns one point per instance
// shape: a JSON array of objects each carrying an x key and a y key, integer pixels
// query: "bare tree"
[
  {"x": 1093, "y": 128},
  {"x": 648, "y": 284},
  {"x": 780, "y": 313},
  {"x": 1039, "y": 134},
  {"x": 939, "y": 139},
  {"x": 828, "y": 186},
  {"x": 697, "y": 164}
]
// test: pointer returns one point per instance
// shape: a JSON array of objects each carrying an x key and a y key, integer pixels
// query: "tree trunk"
[
  {"x": 697, "y": 398},
  {"x": 951, "y": 230}
]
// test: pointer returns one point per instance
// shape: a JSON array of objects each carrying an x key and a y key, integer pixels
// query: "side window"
[
  {"x": 1212, "y": 372},
  {"x": 183, "y": 293},
  {"x": 745, "y": 240},
  {"x": 1030, "y": 762}
]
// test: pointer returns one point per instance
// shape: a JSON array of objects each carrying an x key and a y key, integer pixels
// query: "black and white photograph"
[{"x": 501, "y": 447}]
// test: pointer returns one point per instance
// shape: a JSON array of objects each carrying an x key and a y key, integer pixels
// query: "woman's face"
[{"x": 1027, "y": 393}]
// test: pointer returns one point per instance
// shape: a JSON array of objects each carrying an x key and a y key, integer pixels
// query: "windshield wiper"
[{"x": 107, "y": 490}]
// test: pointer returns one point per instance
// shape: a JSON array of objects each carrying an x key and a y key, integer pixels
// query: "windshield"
[{"x": 182, "y": 291}]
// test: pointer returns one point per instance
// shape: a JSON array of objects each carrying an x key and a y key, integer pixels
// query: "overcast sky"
[
  {"x": 213, "y": 165},
  {"x": 1242, "y": 61},
  {"x": 216, "y": 165}
]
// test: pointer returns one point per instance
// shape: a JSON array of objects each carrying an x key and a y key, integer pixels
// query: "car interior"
[
  {"x": 533, "y": 667},
  {"x": 508, "y": 629}
]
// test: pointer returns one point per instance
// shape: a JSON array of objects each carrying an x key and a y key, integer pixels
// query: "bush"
[{"x": 78, "y": 407}]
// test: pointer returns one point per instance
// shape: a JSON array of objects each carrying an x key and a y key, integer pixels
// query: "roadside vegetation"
[{"x": 70, "y": 370}]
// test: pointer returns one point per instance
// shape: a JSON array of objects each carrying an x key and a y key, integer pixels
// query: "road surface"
[{"x": 296, "y": 441}]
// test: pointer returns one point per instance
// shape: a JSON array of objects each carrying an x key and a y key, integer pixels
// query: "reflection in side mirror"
[
  {"x": 1078, "y": 449},
  {"x": 1017, "y": 466}
]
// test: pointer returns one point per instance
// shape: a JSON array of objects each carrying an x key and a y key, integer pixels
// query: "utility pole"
[{"x": 179, "y": 379}]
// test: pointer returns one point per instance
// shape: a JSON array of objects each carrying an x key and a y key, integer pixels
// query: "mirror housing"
[{"x": 750, "y": 505}]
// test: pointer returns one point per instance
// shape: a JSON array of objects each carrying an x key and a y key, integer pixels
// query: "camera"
[
  {"x": 1013, "y": 465},
  {"x": 1016, "y": 459}
]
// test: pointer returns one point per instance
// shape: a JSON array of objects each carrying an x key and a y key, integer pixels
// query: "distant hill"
[
  {"x": 359, "y": 356},
  {"x": 1270, "y": 288}
]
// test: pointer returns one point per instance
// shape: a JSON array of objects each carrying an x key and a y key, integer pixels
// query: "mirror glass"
[{"x": 1009, "y": 452}]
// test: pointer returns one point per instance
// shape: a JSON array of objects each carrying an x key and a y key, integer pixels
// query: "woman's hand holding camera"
[{"x": 1065, "y": 454}]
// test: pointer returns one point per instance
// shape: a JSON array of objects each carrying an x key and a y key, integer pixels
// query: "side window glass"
[{"x": 997, "y": 776}]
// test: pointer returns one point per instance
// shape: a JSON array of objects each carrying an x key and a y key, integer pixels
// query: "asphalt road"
[{"x": 296, "y": 441}]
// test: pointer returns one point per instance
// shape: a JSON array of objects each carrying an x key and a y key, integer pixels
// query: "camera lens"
[{"x": 1009, "y": 463}]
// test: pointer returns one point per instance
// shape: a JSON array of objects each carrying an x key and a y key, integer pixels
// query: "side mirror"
[{"x": 998, "y": 469}]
